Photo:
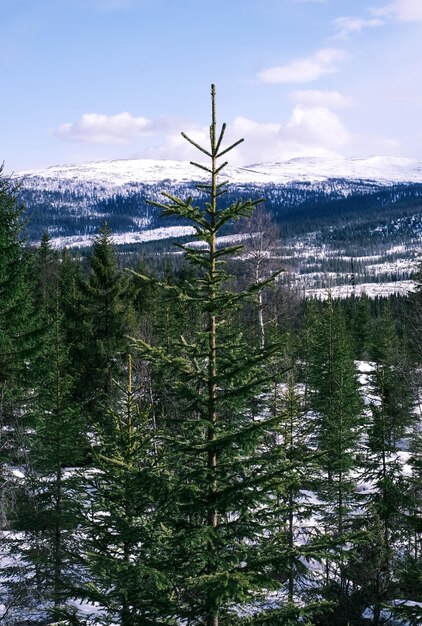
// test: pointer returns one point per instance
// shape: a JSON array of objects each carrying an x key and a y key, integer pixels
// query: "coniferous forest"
[{"x": 193, "y": 443}]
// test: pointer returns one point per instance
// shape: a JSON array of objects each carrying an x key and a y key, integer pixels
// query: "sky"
[{"x": 108, "y": 79}]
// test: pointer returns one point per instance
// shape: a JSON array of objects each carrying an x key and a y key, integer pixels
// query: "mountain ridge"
[{"x": 121, "y": 172}]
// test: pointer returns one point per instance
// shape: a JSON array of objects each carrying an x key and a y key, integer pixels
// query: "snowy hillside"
[
  {"x": 332, "y": 212},
  {"x": 111, "y": 174},
  {"x": 74, "y": 200}
]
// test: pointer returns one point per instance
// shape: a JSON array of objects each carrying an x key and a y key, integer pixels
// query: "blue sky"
[{"x": 104, "y": 79}]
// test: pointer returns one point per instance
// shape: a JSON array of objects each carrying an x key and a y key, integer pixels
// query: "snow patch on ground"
[
  {"x": 154, "y": 234},
  {"x": 370, "y": 289}
]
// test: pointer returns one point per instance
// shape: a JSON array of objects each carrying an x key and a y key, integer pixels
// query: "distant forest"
[{"x": 344, "y": 213}]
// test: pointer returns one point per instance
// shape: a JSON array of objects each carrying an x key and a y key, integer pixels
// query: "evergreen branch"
[
  {"x": 227, "y": 250},
  {"x": 208, "y": 189},
  {"x": 218, "y": 170},
  {"x": 182, "y": 209},
  {"x": 197, "y": 258},
  {"x": 177, "y": 201},
  {"x": 230, "y": 148},
  {"x": 230, "y": 374},
  {"x": 160, "y": 355},
  {"x": 236, "y": 211},
  {"x": 202, "y": 167},
  {"x": 196, "y": 145},
  {"x": 181, "y": 294},
  {"x": 260, "y": 284},
  {"x": 220, "y": 139}
]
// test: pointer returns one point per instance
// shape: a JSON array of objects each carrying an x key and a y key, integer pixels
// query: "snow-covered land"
[
  {"x": 363, "y": 214},
  {"x": 383, "y": 170}
]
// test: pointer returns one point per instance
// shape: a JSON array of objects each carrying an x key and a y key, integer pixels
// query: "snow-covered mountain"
[
  {"x": 331, "y": 211},
  {"x": 112, "y": 174},
  {"x": 72, "y": 201}
]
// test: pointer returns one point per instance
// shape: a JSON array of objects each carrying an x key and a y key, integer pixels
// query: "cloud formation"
[
  {"x": 314, "y": 97},
  {"x": 304, "y": 70},
  {"x": 105, "y": 129},
  {"x": 313, "y": 128},
  {"x": 352, "y": 25},
  {"x": 309, "y": 131},
  {"x": 402, "y": 10}
]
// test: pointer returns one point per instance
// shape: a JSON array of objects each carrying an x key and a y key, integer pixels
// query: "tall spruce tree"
[
  {"x": 18, "y": 339},
  {"x": 409, "y": 570},
  {"x": 219, "y": 555},
  {"x": 124, "y": 529},
  {"x": 45, "y": 513},
  {"x": 334, "y": 397},
  {"x": 106, "y": 320},
  {"x": 391, "y": 418},
  {"x": 297, "y": 544},
  {"x": 45, "y": 268},
  {"x": 19, "y": 334}
]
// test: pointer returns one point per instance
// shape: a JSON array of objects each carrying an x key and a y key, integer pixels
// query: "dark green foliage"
[
  {"x": 45, "y": 268},
  {"x": 125, "y": 536},
  {"x": 232, "y": 483},
  {"x": 105, "y": 321},
  {"x": 334, "y": 398},
  {"x": 293, "y": 467},
  {"x": 391, "y": 417},
  {"x": 362, "y": 327},
  {"x": 333, "y": 394},
  {"x": 18, "y": 329},
  {"x": 45, "y": 515},
  {"x": 220, "y": 480}
]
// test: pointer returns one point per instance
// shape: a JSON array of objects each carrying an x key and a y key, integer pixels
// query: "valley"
[{"x": 349, "y": 225}]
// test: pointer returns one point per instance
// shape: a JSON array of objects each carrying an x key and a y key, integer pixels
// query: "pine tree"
[
  {"x": 216, "y": 448},
  {"x": 362, "y": 326},
  {"x": 45, "y": 268},
  {"x": 106, "y": 320},
  {"x": 408, "y": 570},
  {"x": 18, "y": 340},
  {"x": 19, "y": 335},
  {"x": 295, "y": 542},
  {"x": 391, "y": 417},
  {"x": 333, "y": 396},
  {"x": 122, "y": 550},
  {"x": 45, "y": 515}
]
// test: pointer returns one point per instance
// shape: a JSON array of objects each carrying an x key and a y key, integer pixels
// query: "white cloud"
[
  {"x": 105, "y": 129},
  {"x": 312, "y": 129},
  {"x": 352, "y": 25},
  {"x": 403, "y": 10},
  {"x": 314, "y": 97},
  {"x": 316, "y": 126},
  {"x": 309, "y": 131},
  {"x": 174, "y": 146},
  {"x": 305, "y": 70}
]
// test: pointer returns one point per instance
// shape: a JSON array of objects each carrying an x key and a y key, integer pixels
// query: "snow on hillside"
[
  {"x": 370, "y": 289},
  {"x": 153, "y": 234},
  {"x": 384, "y": 170}
]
